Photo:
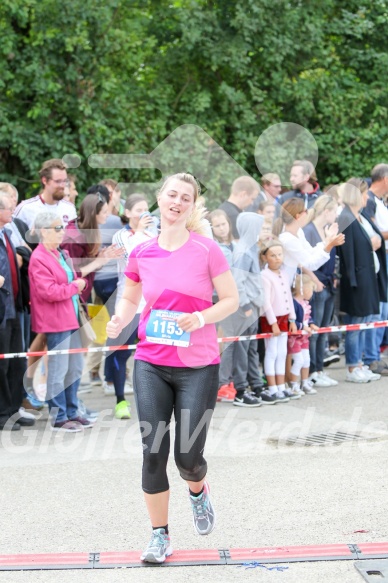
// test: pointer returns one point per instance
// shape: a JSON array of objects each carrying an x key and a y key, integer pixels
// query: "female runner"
[{"x": 177, "y": 357}]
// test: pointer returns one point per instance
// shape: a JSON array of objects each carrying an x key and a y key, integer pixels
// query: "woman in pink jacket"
[{"x": 54, "y": 290}]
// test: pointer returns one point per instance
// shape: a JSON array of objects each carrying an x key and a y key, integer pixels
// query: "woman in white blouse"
[{"x": 297, "y": 250}]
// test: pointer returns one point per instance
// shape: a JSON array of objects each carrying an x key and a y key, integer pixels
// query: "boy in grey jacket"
[{"x": 242, "y": 357}]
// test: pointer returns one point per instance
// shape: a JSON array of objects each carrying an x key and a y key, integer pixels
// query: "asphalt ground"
[{"x": 81, "y": 492}]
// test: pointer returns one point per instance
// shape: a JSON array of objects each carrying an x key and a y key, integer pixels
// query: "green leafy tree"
[{"x": 118, "y": 76}]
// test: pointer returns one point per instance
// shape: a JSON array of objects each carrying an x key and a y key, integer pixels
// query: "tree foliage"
[{"x": 118, "y": 76}]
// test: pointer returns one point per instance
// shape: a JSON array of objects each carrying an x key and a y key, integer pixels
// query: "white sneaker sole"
[
  {"x": 150, "y": 557},
  {"x": 358, "y": 381}
]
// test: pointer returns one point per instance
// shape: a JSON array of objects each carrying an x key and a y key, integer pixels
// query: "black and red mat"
[{"x": 192, "y": 558}]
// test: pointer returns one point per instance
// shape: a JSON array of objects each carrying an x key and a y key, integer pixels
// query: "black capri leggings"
[{"x": 190, "y": 393}]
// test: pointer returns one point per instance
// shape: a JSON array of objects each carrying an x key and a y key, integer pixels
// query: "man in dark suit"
[{"x": 12, "y": 416}]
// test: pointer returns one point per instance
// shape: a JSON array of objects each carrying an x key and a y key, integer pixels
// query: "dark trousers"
[
  {"x": 11, "y": 370},
  {"x": 240, "y": 359},
  {"x": 189, "y": 393}
]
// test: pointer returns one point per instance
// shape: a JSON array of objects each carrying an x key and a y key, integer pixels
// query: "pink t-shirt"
[{"x": 179, "y": 281}]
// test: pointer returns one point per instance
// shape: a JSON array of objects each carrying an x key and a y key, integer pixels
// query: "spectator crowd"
[{"x": 302, "y": 259}]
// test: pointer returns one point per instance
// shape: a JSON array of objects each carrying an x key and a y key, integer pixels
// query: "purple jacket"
[{"x": 52, "y": 308}]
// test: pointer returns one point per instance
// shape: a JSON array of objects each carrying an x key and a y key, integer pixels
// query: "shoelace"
[
  {"x": 199, "y": 505},
  {"x": 157, "y": 539}
]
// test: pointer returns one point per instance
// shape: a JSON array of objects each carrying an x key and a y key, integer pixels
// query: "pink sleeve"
[
  {"x": 132, "y": 268},
  {"x": 217, "y": 262}
]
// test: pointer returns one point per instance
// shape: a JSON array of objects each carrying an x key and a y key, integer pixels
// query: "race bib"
[{"x": 162, "y": 328}]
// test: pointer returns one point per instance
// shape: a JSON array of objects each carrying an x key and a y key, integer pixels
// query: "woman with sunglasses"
[
  {"x": 54, "y": 291},
  {"x": 82, "y": 240}
]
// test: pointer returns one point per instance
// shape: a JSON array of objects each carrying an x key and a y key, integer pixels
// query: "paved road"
[{"x": 81, "y": 492}]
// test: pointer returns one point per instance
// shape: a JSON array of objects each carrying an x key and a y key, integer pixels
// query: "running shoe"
[
  {"x": 66, "y": 426},
  {"x": 308, "y": 388},
  {"x": 34, "y": 402},
  {"x": 158, "y": 548},
  {"x": 294, "y": 386},
  {"x": 371, "y": 374},
  {"x": 333, "y": 382},
  {"x": 204, "y": 518},
  {"x": 292, "y": 394},
  {"x": 318, "y": 379},
  {"x": 356, "y": 376},
  {"x": 86, "y": 424},
  {"x": 281, "y": 397},
  {"x": 247, "y": 400},
  {"x": 122, "y": 410},
  {"x": 331, "y": 357},
  {"x": 267, "y": 398},
  {"x": 226, "y": 394}
]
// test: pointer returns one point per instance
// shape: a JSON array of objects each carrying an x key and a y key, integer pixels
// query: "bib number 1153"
[{"x": 162, "y": 328}]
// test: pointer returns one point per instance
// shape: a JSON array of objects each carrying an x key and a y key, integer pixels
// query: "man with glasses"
[
  {"x": 54, "y": 180},
  {"x": 271, "y": 188}
]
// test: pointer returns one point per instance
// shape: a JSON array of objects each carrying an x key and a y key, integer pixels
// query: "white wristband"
[{"x": 200, "y": 318}]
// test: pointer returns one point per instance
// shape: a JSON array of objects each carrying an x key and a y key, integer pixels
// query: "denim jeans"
[
  {"x": 371, "y": 348},
  {"x": 63, "y": 374},
  {"x": 116, "y": 362},
  {"x": 322, "y": 305},
  {"x": 354, "y": 341}
]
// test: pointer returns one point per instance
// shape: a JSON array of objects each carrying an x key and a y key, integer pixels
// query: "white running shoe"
[
  {"x": 356, "y": 376},
  {"x": 295, "y": 388},
  {"x": 317, "y": 379},
  {"x": 308, "y": 388},
  {"x": 372, "y": 376},
  {"x": 333, "y": 382},
  {"x": 158, "y": 548}
]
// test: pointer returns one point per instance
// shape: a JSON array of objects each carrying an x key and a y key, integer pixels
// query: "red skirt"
[{"x": 282, "y": 322}]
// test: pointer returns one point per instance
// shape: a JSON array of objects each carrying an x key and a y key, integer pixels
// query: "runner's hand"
[
  {"x": 188, "y": 322},
  {"x": 114, "y": 327}
]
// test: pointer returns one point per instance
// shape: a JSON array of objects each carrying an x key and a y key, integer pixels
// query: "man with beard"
[
  {"x": 53, "y": 176},
  {"x": 304, "y": 183}
]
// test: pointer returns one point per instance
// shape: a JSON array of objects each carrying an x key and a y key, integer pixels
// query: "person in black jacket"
[
  {"x": 304, "y": 183},
  {"x": 363, "y": 274},
  {"x": 323, "y": 214},
  {"x": 12, "y": 416}
]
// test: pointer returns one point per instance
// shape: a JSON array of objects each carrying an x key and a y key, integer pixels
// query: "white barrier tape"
[{"x": 345, "y": 328}]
